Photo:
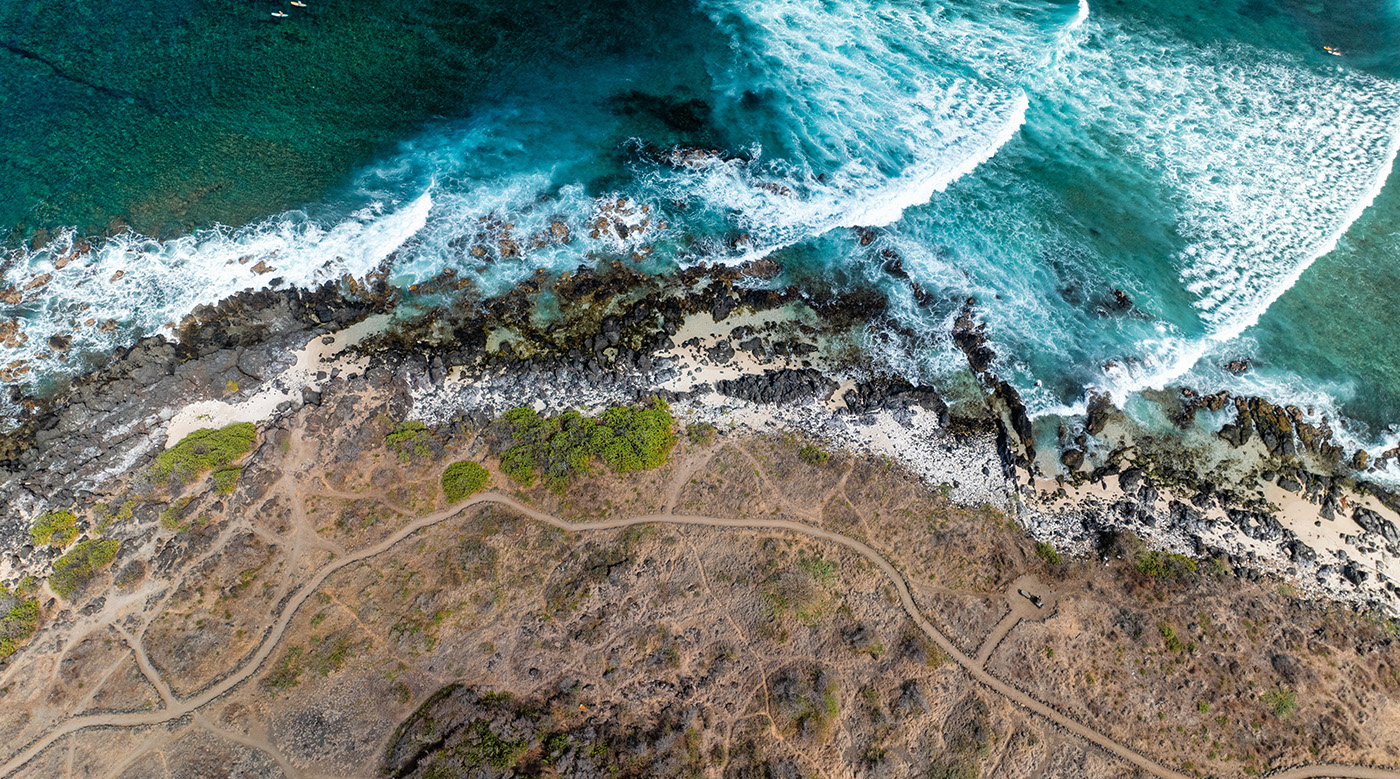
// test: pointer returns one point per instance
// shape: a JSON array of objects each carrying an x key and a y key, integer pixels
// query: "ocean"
[{"x": 1137, "y": 193}]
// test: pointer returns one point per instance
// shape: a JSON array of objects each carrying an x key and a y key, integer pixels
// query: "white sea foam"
[
  {"x": 1273, "y": 161},
  {"x": 1265, "y": 159},
  {"x": 885, "y": 106},
  {"x": 142, "y": 284},
  {"x": 1080, "y": 16}
]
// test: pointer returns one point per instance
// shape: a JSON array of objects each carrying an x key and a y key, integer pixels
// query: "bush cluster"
[
  {"x": 226, "y": 479},
  {"x": 813, "y": 455},
  {"x": 19, "y": 621},
  {"x": 464, "y": 479},
  {"x": 203, "y": 451},
  {"x": 56, "y": 528},
  {"x": 80, "y": 564},
  {"x": 560, "y": 448},
  {"x": 409, "y": 439}
]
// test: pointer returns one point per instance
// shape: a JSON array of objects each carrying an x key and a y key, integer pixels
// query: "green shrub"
[
  {"x": 56, "y": 528},
  {"x": 203, "y": 451},
  {"x": 409, "y": 439},
  {"x": 1047, "y": 553},
  {"x": 483, "y": 747},
  {"x": 560, "y": 448},
  {"x": 813, "y": 455},
  {"x": 287, "y": 673},
  {"x": 701, "y": 433},
  {"x": 225, "y": 479},
  {"x": 80, "y": 564},
  {"x": 1169, "y": 637},
  {"x": 1165, "y": 565},
  {"x": 19, "y": 621},
  {"x": 173, "y": 517},
  {"x": 464, "y": 479},
  {"x": 1282, "y": 701}
]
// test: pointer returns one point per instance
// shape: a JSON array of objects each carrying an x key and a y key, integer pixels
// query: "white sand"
[{"x": 317, "y": 356}]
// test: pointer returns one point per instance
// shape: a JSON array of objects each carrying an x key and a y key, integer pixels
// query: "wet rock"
[
  {"x": 1098, "y": 412},
  {"x": 1274, "y": 425},
  {"x": 970, "y": 337}
]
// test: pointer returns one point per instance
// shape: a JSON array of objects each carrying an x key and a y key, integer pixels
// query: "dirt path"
[
  {"x": 143, "y": 662},
  {"x": 182, "y": 708},
  {"x": 1021, "y": 608}
]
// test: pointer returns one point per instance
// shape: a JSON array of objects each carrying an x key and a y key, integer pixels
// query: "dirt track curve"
[{"x": 178, "y": 708}]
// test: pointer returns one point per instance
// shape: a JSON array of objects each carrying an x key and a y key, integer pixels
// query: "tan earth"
[{"x": 741, "y": 611}]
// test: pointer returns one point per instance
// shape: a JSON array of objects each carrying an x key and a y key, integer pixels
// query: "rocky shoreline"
[{"x": 1269, "y": 494}]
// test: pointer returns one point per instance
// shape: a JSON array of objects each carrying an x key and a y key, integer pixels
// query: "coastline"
[{"x": 726, "y": 351}]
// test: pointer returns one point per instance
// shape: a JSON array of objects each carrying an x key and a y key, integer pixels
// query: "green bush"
[
  {"x": 409, "y": 439},
  {"x": 464, "y": 479},
  {"x": 1170, "y": 638},
  {"x": 56, "y": 528},
  {"x": 1165, "y": 565},
  {"x": 560, "y": 448},
  {"x": 1047, "y": 553},
  {"x": 19, "y": 621},
  {"x": 80, "y": 564},
  {"x": 203, "y": 451},
  {"x": 226, "y": 479},
  {"x": 483, "y": 747},
  {"x": 813, "y": 455}
]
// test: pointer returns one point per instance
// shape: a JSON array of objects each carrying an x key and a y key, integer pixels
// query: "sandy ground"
[
  {"x": 322, "y": 356},
  {"x": 969, "y": 470}
]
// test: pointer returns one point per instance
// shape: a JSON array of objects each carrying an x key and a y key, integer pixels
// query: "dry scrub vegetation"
[{"x": 491, "y": 644}]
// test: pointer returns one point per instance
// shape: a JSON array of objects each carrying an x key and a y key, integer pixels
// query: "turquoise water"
[{"x": 1209, "y": 161}]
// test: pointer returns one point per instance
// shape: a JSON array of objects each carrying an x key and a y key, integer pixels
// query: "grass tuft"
[{"x": 1282, "y": 701}]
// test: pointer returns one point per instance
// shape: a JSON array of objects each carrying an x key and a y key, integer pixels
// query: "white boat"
[
  {"x": 279, "y": 14},
  {"x": 298, "y": 4},
  {"x": 1335, "y": 52}
]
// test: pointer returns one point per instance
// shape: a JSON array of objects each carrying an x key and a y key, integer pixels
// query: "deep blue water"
[{"x": 1212, "y": 161}]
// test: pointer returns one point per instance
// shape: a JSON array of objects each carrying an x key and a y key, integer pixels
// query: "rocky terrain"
[{"x": 828, "y": 573}]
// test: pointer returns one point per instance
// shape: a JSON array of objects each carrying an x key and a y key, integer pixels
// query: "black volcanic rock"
[{"x": 780, "y": 387}]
